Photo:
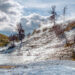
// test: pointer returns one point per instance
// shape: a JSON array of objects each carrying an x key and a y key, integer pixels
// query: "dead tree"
[
  {"x": 21, "y": 35},
  {"x": 64, "y": 13},
  {"x": 53, "y": 14},
  {"x": 21, "y": 32}
]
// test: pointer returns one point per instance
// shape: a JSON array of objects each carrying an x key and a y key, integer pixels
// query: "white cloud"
[
  {"x": 32, "y": 22},
  {"x": 10, "y": 14}
]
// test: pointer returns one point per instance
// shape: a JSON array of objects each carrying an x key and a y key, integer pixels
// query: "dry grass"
[
  {"x": 4, "y": 40},
  {"x": 38, "y": 31},
  {"x": 7, "y": 67},
  {"x": 69, "y": 44},
  {"x": 73, "y": 56},
  {"x": 45, "y": 29},
  {"x": 70, "y": 26},
  {"x": 36, "y": 38},
  {"x": 34, "y": 32}
]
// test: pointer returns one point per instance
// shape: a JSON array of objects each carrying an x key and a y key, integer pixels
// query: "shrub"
[
  {"x": 34, "y": 31},
  {"x": 38, "y": 31}
]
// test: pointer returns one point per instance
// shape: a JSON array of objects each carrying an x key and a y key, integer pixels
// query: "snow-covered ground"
[{"x": 55, "y": 67}]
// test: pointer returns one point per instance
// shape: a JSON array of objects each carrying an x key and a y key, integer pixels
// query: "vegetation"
[
  {"x": 70, "y": 26},
  {"x": 69, "y": 44},
  {"x": 34, "y": 31},
  {"x": 21, "y": 32},
  {"x": 7, "y": 67},
  {"x": 19, "y": 36},
  {"x": 73, "y": 56},
  {"x": 45, "y": 29},
  {"x": 4, "y": 40}
]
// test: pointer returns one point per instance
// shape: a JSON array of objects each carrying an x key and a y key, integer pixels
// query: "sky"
[
  {"x": 12, "y": 11},
  {"x": 42, "y": 7}
]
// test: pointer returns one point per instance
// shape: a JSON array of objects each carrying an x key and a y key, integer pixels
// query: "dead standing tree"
[
  {"x": 59, "y": 31},
  {"x": 53, "y": 14},
  {"x": 64, "y": 13},
  {"x": 21, "y": 33}
]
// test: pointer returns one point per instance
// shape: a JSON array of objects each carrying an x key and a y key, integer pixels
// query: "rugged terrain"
[
  {"x": 42, "y": 52},
  {"x": 44, "y": 44}
]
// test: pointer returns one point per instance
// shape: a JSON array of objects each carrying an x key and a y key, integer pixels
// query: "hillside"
[
  {"x": 43, "y": 53},
  {"x": 44, "y": 44},
  {"x": 3, "y": 40}
]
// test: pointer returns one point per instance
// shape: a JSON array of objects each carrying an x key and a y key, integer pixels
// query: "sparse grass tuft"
[
  {"x": 45, "y": 29},
  {"x": 69, "y": 44}
]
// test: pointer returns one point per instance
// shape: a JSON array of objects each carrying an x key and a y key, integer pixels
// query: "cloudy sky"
[
  {"x": 11, "y": 11},
  {"x": 43, "y": 6}
]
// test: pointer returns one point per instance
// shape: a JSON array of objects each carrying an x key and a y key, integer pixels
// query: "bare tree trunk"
[
  {"x": 54, "y": 21},
  {"x": 74, "y": 39}
]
